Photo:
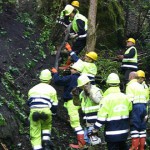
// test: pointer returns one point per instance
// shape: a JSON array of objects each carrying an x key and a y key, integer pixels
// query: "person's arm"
[
  {"x": 61, "y": 80},
  {"x": 81, "y": 27},
  {"x": 131, "y": 54}
]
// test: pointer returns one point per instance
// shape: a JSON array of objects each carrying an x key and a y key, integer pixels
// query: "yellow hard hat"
[
  {"x": 75, "y": 3},
  {"x": 92, "y": 55},
  {"x": 45, "y": 75},
  {"x": 68, "y": 9},
  {"x": 141, "y": 73},
  {"x": 131, "y": 40},
  {"x": 77, "y": 66},
  {"x": 113, "y": 78},
  {"x": 82, "y": 80}
]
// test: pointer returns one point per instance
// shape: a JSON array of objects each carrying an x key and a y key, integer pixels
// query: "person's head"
[
  {"x": 91, "y": 56},
  {"x": 76, "y": 68},
  {"x": 70, "y": 11},
  {"x": 133, "y": 75},
  {"x": 75, "y": 4},
  {"x": 83, "y": 81},
  {"x": 141, "y": 76},
  {"x": 113, "y": 79},
  {"x": 130, "y": 42},
  {"x": 45, "y": 76}
]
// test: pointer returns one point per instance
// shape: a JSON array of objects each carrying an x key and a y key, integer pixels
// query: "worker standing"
[
  {"x": 88, "y": 99},
  {"x": 63, "y": 19},
  {"x": 42, "y": 100},
  {"x": 137, "y": 95},
  {"x": 129, "y": 59},
  {"x": 88, "y": 66},
  {"x": 69, "y": 82},
  {"x": 141, "y": 80},
  {"x": 114, "y": 112}
]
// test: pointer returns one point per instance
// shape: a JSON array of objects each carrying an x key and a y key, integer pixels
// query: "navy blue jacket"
[{"x": 69, "y": 82}]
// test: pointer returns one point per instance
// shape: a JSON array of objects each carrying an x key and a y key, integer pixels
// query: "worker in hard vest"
[
  {"x": 78, "y": 30},
  {"x": 88, "y": 99},
  {"x": 42, "y": 100},
  {"x": 135, "y": 91},
  {"x": 63, "y": 19},
  {"x": 129, "y": 59},
  {"x": 69, "y": 82},
  {"x": 114, "y": 112},
  {"x": 141, "y": 80},
  {"x": 88, "y": 66}
]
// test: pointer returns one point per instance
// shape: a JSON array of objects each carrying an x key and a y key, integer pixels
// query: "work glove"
[
  {"x": 54, "y": 70},
  {"x": 73, "y": 35},
  {"x": 68, "y": 47}
]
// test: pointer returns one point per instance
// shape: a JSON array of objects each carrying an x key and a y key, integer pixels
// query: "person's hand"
[
  {"x": 120, "y": 57},
  {"x": 68, "y": 47},
  {"x": 73, "y": 35},
  {"x": 87, "y": 89},
  {"x": 75, "y": 91},
  {"x": 54, "y": 70},
  {"x": 93, "y": 132}
]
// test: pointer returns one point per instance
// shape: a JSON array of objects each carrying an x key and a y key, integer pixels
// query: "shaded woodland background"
[{"x": 28, "y": 37}]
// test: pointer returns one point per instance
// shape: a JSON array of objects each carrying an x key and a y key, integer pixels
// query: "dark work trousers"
[
  {"x": 125, "y": 72},
  {"x": 79, "y": 45},
  {"x": 117, "y": 146}
]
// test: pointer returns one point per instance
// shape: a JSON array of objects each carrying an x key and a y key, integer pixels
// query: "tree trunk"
[{"x": 91, "y": 39}]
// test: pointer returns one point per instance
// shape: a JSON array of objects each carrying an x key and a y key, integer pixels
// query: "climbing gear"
[
  {"x": 75, "y": 3},
  {"x": 141, "y": 73},
  {"x": 45, "y": 75},
  {"x": 77, "y": 66},
  {"x": 113, "y": 78},
  {"x": 92, "y": 55},
  {"x": 82, "y": 80},
  {"x": 68, "y": 10},
  {"x": 81, "y": 142},
  {"x": 131, "y": 40}
]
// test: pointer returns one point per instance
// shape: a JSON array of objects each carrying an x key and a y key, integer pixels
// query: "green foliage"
[
  {"x": 25, "y": 18},
  {"x": 2, "y": 30},
  {"x": 111, "y": 24},
  {"x": 2, "y": 120}
]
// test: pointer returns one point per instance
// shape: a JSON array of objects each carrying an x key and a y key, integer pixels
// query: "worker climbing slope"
[
  {"x": 43, "y": 103},
  {"x": 88, "y": 66},
  {"x": 65, "y": 19},
  {"x": 69, "y": 82}
]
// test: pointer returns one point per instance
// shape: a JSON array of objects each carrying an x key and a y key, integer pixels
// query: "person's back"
[
  {"x": 135, "y": 91},
  {"x": 115, "y": 112},
  {"x": 42, "y": 100}
]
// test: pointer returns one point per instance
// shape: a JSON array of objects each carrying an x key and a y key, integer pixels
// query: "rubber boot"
[
  {"x": 142, "y": 143},
  {"x": 67, "y": 65},
  {"x": 81, "y": 142},
  {"x": 135, "y": 144}
]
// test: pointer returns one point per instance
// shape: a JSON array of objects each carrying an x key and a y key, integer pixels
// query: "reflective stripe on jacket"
[
  {"x": 130, "y": 62},
  {"x": 114, "y": 113},
  {"x": 42, "y": 95}
]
